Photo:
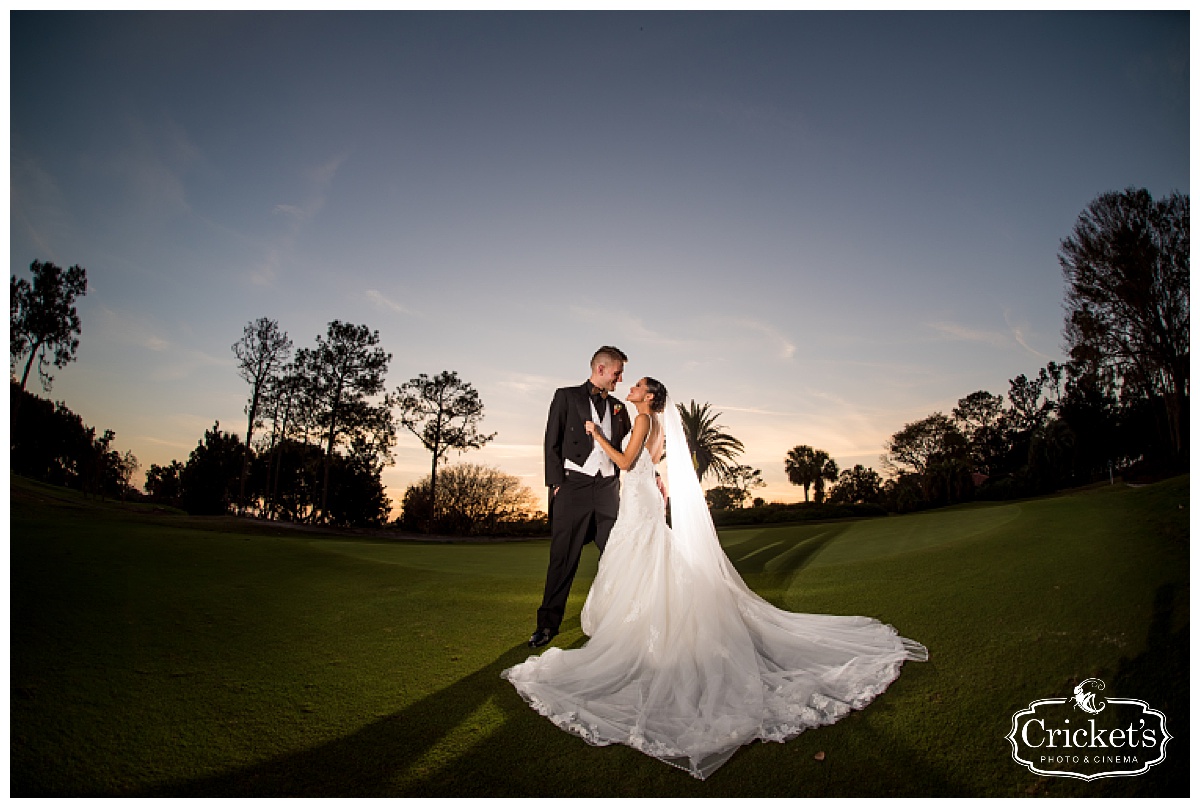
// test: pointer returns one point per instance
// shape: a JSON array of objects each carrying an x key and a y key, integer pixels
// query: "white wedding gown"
[{"x": 685, "y": 663}]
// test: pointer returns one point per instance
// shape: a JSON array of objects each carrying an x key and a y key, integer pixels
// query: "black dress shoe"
[{"x": 541, "y": 637}]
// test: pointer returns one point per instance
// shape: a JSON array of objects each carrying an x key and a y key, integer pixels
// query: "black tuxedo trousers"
[{"x": 583, "y": 510}]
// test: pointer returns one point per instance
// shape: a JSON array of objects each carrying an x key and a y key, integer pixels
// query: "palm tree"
[
  {"x": 713, "y": 449},
  {"x": 825, "y": 468},
  {"x": 800, "y": 467}
]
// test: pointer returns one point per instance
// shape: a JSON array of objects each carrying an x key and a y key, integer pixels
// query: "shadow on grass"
[
  {"x": 476, "y": 737},
  {"x": 1159, "y": 677},
  {"x": 370, "y": 762},
  {"x": 439, "y": 746}
]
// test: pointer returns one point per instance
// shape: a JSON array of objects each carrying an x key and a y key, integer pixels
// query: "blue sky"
[{"x": 825, "y": 224}]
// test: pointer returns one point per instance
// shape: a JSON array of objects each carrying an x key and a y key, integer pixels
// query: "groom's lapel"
[{"x": 583, "y": 403}]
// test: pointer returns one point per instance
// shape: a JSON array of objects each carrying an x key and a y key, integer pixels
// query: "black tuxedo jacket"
[{"x": 566, "y": 438}]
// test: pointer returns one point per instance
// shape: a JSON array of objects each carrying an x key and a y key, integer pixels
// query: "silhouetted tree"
[
  {"x": 826, "y": 471},
  {"x": 913, "y": 448},
  {"x": 903, "y": 493},
  {"x": 1093, "y": 414},
  {"x": 345, "y": 369},
  {"x": 981, "y": 418},
  {"x": 713, "y": 449},
  {"x": 261, "y": 352},
  {"x": 48, "y": 441},
  {"x": 723, "y": 497},
  {"x": 163, "y": 483},
  {"x": 742, "y": 480},
  {"x": 356, "y": 496},
  {"x": 298, "y": 469},
  {"x": 285, "y": 405},
  {"x": 125, "y": 469},
  {"x": 1030, "y": 401},
  {"x": 806, "y": 466},
  {"x": 947, "y": 480},
  {"x": 800, "y": 467},
  {"x": 859, "y": 484},
  {"x": 209, "y": 479},
  {"x": 444, "y": 413},
  {"x": 52, "y": 444},
  {"x": 43, "y": 320},
  {"x": 1033, "y": 405},
  {"x": 1126, "y": 267}
]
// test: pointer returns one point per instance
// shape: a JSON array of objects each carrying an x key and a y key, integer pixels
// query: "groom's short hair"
[{"x": 608, "y": 353}]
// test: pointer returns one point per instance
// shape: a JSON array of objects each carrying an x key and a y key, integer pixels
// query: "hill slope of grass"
[{"x": 154, "y": 654}]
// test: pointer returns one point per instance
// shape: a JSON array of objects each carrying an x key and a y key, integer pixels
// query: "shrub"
[{"x": 473, "y": 500}]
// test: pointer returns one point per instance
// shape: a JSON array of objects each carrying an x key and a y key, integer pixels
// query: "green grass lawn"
[{"x": 156, "y": 654}]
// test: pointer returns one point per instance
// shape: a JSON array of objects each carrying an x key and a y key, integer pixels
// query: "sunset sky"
[{"x": 826, "y": 225}]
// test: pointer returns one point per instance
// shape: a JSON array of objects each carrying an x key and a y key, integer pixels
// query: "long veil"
[
  {"x": 691, "y": 523},
  {"x": 693, "y": 534}
]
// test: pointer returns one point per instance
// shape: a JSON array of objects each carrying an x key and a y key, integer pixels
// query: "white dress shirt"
[{"x": 597, "y": 461}]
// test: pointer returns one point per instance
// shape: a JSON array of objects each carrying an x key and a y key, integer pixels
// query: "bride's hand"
[{"x": 590, "y": 428}]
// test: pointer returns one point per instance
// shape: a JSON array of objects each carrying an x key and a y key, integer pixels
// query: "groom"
[{"x": 583, "y": 480}]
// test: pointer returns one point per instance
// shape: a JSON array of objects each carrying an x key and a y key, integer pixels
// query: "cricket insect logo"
[{"x": 1085, "y": 700}]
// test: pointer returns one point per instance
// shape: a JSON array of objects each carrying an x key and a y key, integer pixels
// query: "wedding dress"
[{"x": 684, "y": 662}]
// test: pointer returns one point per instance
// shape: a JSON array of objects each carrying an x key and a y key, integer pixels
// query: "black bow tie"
[{"x": 600, "y": 401}]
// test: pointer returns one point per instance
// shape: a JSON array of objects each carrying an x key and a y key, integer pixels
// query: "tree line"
[
  {"x": 321, "y": 425},
  {"x": 1119, "y": 405},
  {"x": 320, "y": 428},
  {"x": 47, "y": 441}
]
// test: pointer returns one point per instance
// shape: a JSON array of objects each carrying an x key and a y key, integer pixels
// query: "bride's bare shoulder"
[{"x": 656, "y": 440}]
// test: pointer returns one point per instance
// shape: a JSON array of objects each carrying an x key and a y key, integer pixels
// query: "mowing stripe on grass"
[{"x": 887, "y": 536}]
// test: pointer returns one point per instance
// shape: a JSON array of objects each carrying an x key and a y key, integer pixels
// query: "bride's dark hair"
[{"x": 659, "y": 402}]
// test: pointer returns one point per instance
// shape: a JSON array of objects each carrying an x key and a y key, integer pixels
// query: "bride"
[{"x": 685, "y": 663}]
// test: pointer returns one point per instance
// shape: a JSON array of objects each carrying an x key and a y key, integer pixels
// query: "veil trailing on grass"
[{"x": 685, "y": 662}]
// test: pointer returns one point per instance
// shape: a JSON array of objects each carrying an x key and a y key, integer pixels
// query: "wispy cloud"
[
  {"x": 510, "y": 451},
  {"x": 1016, "y": 335},
  {"x": 296, "y": 216},
  {"x": 38, "y": 205},
  {"x": 777, "y": 343},
  {"x": 294, "y": 211},
  {"x": 184, "y": 362},
  {"x": 529, "y": 383},
  {"x": 1019, "y": 334},
  {"x": 630, "y": 328},
  {"x": 382, "y": 301},
  {"x": 319, "y": 178},
  {"x": 170, "y": 444},
  {"x": 154, "y": 163},
  {"x": 175, "y": 361},
  {"x": 127, "y": 329},
  {"x": 962, "y": 333},
  {"x": 265, "y": 272}
]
